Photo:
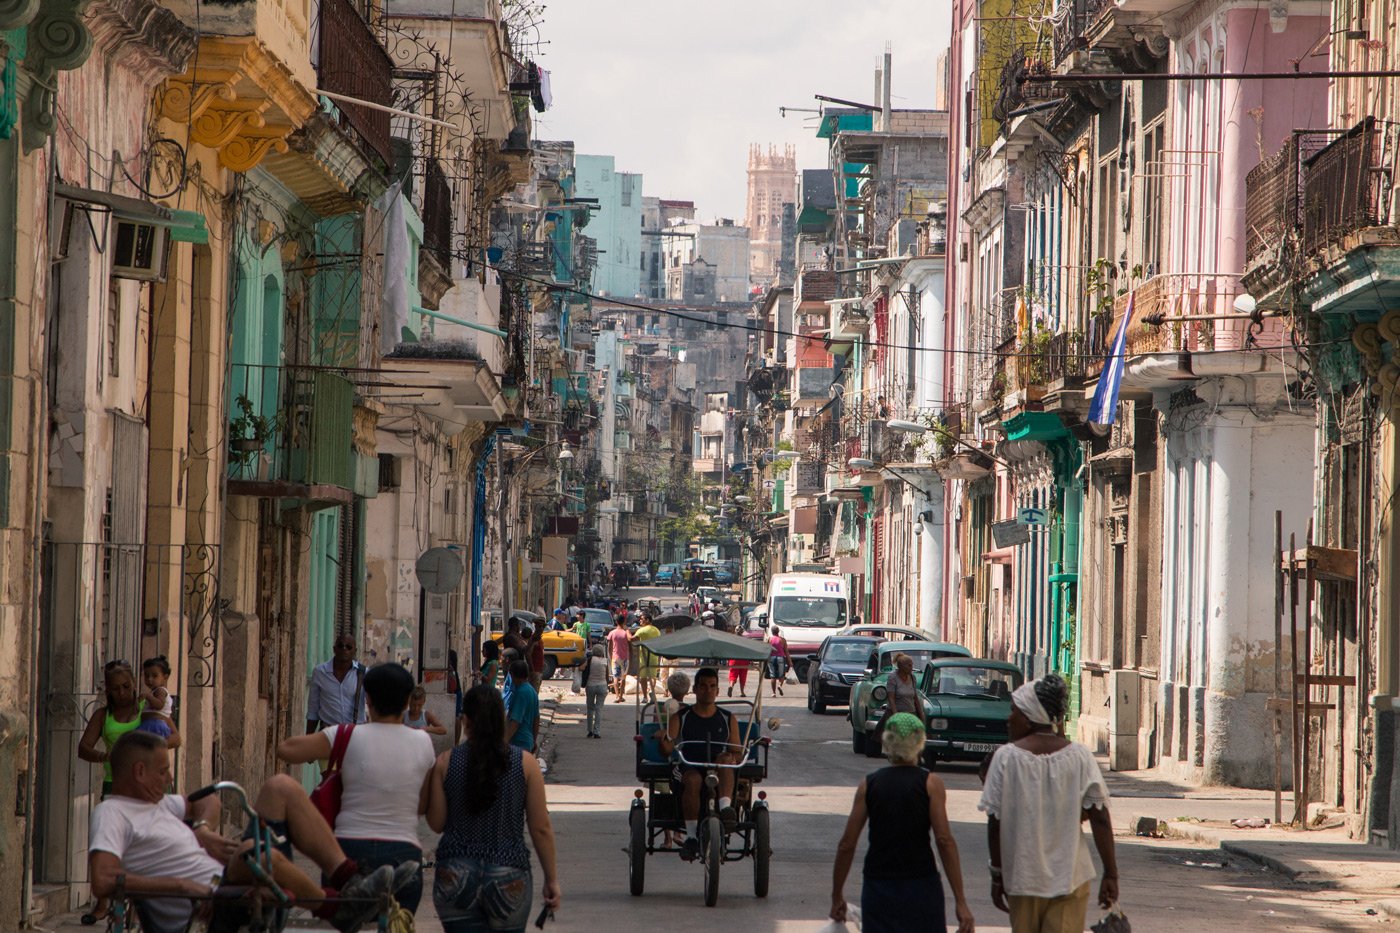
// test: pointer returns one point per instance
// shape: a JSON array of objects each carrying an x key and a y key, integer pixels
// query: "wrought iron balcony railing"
[
  {"x": 354, "y": 63},
  {"x": 1342, "y": 187}
]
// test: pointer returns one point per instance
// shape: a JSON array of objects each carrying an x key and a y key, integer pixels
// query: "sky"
[{"x": 677, "y": 90}]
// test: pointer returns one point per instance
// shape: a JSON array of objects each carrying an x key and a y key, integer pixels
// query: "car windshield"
[
  {"x": 919, "y": 657},
  {"x": 811, "y": 611},
  {"x": 848, "y": 651},
  {"x": 986, "y": 683}
]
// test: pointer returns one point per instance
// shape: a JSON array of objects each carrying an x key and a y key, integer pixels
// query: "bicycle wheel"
[{"x": 712, "y": 853}]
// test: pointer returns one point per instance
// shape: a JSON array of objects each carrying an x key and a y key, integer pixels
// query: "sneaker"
[
  {"x": 729, "y": 818},
  {"x": 690, "y": 849},
  {"x": 361, "y": 898},
  {"x": 405, "y": 873}
]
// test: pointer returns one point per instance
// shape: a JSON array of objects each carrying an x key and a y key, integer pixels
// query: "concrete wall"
[{"x": 1218, "y": 655}]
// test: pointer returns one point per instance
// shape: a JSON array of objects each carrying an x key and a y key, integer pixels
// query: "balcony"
[
  {"x": 1342, "y": 187},
  {"x": 353, "y": 63},
  {"x": 290, "y": 435},
  {"x": 471, "y": 35},
  {"x": 1014, "y": 92},
  {"x": 1069, "y": 30}
]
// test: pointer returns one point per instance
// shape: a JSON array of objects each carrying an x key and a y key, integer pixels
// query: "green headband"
[{"x": 904, "y": 724}]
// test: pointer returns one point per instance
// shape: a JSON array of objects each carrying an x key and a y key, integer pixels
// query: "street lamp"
[
  {"x": 860, "y": 463},
  {"x": 787, "y": 455}
]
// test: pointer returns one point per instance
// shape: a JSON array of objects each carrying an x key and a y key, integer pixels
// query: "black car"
[{"x": 832, "y": 671}]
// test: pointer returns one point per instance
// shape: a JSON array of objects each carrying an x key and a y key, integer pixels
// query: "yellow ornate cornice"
[{"x": 238, "y": 100}]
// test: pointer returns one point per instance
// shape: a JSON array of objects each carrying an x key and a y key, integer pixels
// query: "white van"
[{"x": 807, "y": 607}]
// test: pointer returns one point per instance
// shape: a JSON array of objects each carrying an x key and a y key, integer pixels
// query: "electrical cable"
[{"x": 757, "y": 328}]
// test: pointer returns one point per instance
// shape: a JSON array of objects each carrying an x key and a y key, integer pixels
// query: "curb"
[{"x": 1209, "y": 836}]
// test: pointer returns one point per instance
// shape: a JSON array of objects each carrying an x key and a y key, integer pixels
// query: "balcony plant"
[{"x": 250, "y": 431}]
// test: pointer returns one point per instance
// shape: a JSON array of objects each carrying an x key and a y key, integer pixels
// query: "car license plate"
[{"x": 978, "y": 746}]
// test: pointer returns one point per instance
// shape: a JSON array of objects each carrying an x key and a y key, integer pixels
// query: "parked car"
[
  {"x": 968, "y": 705},
  {"x": 726, "y": 573},
  {"x": 667, "y": 572},
  {"x": 835, "y": 668},
  {"x": 641, "y": 573},
  {"x": 869, "y": 693}
]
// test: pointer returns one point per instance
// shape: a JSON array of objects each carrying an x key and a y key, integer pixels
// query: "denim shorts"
[{"x": 472, "y": 896}]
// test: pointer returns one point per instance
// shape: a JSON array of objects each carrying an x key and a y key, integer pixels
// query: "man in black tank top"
[{"x": 703, "y": 721}]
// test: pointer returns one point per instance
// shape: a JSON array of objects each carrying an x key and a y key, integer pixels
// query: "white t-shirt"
[
  {"x": 1038, "y": 799},
  {"x": 383, "y": 772},
  {"x": 151, "y": 839}
]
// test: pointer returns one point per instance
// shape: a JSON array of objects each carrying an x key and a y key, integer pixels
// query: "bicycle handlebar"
[{"x": 218, "y": 786}]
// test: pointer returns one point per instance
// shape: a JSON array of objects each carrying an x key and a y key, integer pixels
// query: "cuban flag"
[{"x": 1104, "y": 408}]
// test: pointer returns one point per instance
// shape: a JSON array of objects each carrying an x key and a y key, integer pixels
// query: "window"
[{"x": 114, "y": 328}]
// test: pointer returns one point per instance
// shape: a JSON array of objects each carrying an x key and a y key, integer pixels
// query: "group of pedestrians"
[
  {"x": 481, "y": 795},
  {"x": 1037, "y": 791}
]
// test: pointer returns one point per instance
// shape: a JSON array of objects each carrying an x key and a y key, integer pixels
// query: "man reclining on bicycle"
[
  {"x": 706, "y": 735},
  {"x": 167, "y": 851}
]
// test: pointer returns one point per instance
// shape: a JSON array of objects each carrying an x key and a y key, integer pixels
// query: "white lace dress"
[{"x": 1038, "y": 799}]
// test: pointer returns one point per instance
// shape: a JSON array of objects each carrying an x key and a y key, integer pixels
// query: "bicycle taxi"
[{"x": 656, "y": 808}]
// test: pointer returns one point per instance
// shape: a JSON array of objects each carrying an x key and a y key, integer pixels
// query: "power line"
[{"x": 756, "y": 328}]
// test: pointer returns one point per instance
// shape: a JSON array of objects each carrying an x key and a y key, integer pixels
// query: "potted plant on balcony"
[{"x": 250, "y": 431}]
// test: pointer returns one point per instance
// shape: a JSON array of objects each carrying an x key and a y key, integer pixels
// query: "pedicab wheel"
[
  {"x": 712, "y": 844},
  {"x": 637, "y": 851},
  {"x": 761, "y": 851}
]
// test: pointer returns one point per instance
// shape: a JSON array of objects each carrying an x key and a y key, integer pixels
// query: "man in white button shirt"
[
  {"x": 337, "y": 693},
  {"x": 164, "y": 850}
]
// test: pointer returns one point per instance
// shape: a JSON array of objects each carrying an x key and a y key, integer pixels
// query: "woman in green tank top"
[{"x": 120, "y": 715}]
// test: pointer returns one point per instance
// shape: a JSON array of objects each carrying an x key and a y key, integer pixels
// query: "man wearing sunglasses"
[{"x": 337, "y": 695}]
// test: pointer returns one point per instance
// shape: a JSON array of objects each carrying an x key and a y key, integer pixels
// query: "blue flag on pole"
[{"x": 1104, "y": 408}]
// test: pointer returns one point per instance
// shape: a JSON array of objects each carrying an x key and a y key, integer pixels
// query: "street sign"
[
  {"x": 770, "y": 484},
  {"x": 1030, "y": 516},
  {"x": 1010, "y": 533}
]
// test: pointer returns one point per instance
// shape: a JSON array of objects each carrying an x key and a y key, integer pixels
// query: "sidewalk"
[
  {"x": 1146, "y": 804},
  {"x": 426, "y": 920}
]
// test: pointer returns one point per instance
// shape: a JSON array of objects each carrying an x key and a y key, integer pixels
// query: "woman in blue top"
[{"x": 481, "y": 796}]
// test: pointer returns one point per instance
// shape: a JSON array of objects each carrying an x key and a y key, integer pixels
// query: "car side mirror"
[
  {"x": 762, "y": 623},
  {"x": 813, "y": 658}
]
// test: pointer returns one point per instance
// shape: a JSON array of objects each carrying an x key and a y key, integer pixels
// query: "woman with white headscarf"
[{"x": 1040, "y": 787}]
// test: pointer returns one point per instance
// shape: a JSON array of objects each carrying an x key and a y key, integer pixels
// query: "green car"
[
  {"x": 966, "y": 704},
  {"x": 868, "y": 694}
]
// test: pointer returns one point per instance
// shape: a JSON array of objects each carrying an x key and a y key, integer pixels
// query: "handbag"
[
  {"x": 326, "y": 797},
  {"x": 578, "y": 680}
]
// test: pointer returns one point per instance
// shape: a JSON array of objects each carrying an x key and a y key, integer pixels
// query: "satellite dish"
[{"x": 439, "y": 570}]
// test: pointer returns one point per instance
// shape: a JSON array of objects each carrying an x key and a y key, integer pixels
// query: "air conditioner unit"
[{"x": 138, "y": 250}]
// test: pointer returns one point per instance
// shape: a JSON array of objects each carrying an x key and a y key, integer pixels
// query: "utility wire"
[{"x": 757, "y": 328}]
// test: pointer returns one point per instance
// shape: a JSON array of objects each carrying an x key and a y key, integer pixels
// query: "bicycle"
[{"x": 261, "y": 907}]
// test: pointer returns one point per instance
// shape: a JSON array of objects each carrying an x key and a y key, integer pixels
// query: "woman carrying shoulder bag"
[
  {"x": 593, "y": 679},
  {"x": 384, "y": 778}
]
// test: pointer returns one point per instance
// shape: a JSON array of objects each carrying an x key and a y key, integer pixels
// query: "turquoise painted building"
[{"x": 616, "y": 225}]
